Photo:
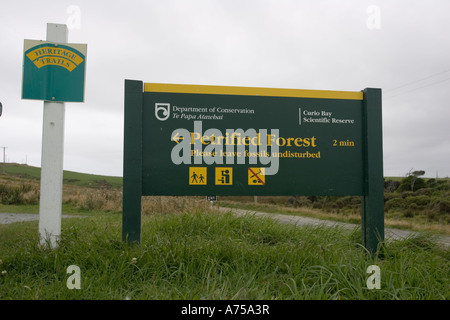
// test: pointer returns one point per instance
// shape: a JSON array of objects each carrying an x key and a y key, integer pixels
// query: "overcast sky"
[{"x": 400, "y": 46}]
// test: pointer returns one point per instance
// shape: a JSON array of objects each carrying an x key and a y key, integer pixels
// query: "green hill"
[{"x": 69, "y": 177}]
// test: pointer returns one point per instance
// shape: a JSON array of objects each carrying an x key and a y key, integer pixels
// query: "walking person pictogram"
[
  {"x": 197, "y": 176},
  {"x": 194, "y": 178}
]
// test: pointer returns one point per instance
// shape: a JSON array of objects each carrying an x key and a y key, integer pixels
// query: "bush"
[
  {"x": 391, "y": 186},
  {"x": 408, "y": 185},
  {"x": 406, "y": 194},
  {"x": 298, "y": 202},
  {"x": 388, "y": 196},
  {"x": 107, "y": 200},
  {"x": 425, "y": 191},
  {"x": 439, "y": 184},
  {"x": 408, "y": 213},
  {"x": 13, "y": 194},
  {"x": 419, "y": 200},
  {"x": 395, "y": 203},
  {"x": 444, "y": 206}
]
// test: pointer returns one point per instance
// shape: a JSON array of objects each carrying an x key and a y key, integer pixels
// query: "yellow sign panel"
[
  {"x": 43, "y": 56},
  {"x": 256, "y": 176},
  {"x": 224, "y": 176},
  {"x": 197, "y": 175}
]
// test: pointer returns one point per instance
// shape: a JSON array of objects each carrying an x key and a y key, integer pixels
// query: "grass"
[
  {"x": 189, "y": 251},
  {"x": 32, "y": 208},
  {"x": 216, "y": 256},
  {"x": 69, "y": 177}
]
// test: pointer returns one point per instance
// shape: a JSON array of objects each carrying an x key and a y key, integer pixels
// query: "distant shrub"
[
  {"x": 406, "y": 194},
  {"x": 411, "y": 183},
  {"x": 425, "y": 191},
  {"x": 439, "y": 184},
  {"x": 431, "y": 214},
  {"x": 93, "y": 199},
  {"x": 14, "y": 194},
  {"x": 317, "y": 205},
  {"x": 395, "y": 203},
  {"x": 409, "y": 213},
  {"x": 298, "y": 202},
  {"x": 349, "y": 202},
  {"x": 419, "y": 200},
  {"x": 390, "y": 195},
  {"x": 444, "y": 206},
  {"x": 391, "y": 186}
]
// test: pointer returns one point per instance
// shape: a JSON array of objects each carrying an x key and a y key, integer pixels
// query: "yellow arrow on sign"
[{"x": 177, "y": 138}]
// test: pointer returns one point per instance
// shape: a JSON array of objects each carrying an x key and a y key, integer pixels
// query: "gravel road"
[
  {"x": 7, "y": 218},
  {"x": 390, "y": 233}
]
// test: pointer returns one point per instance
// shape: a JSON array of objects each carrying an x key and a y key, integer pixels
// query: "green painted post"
[
  {"x": 372, "y": 204},
  {"x": 132, "y": 167}
]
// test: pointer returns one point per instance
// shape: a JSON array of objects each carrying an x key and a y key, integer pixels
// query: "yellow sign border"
[{"x": 252, "y": 91}]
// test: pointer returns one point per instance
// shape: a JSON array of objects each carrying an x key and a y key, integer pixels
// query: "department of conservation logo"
[{"x": 162, "y": 111}]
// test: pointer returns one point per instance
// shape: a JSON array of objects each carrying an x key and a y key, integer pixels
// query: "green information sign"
[
  {"x": 53, "y": 72},
  {"x": 210, "y": 140},
  {"x": 312, "y": 145}
]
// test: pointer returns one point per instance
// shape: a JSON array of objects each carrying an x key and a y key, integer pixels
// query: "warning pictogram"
[
  {"x": 197, "y": 175},
  {"x": 256, "y": 177},
  {"x": 224, "y": 176}
]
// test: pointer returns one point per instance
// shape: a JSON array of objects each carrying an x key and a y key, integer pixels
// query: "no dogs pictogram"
[{"x": 256, "y": 176}]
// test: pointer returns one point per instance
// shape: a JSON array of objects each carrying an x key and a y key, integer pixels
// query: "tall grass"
[
  {"x": 189, "y": 251},
  {"x": 15, "y": 192},
  {"x": 197, "y": 255},
  {"x": 20, "y": 191}
]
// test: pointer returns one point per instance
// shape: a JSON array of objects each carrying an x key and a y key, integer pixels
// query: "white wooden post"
[{"x": 50, "y": 205}]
